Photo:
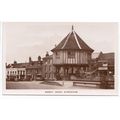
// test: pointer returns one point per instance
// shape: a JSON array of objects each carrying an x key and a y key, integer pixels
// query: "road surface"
[{"x": 42, "y": 85}]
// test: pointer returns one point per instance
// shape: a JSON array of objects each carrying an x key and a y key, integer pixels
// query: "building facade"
[
  {"x": 31, "y": 70},
  {"x": 34, "y": 69},
  {"x": 103, "y": 65},
  {"x": 15, "y": 72},
  {"x": 48, "y": 67},
  {"x": 106, "y": 64}
]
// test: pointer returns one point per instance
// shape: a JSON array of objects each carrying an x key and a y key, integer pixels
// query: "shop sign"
[{"x": 103, "y": 68}]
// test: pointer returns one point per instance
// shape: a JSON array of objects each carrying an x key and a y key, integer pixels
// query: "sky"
[{"x": 32, "y": 39}]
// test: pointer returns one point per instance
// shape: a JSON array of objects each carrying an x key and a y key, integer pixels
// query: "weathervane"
[{"x": 72, "y": 27}]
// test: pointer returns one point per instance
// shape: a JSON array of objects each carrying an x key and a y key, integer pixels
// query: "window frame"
[
  {"x": 57, "y": 54},
  {"x": 71, "y": 54}
]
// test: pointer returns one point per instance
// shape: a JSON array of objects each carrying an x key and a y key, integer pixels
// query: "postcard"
[{"x": 60, "y": 58}]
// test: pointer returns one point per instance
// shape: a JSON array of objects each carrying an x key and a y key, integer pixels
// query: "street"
[{"x": 44, "y": 85}]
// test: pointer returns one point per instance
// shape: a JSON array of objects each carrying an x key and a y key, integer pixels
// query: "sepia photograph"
[{"x": 60, "y": 58}]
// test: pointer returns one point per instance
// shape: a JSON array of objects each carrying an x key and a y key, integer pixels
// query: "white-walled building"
[{"x": 15, "y": 73}]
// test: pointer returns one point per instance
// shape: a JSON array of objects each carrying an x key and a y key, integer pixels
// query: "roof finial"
[{"x": 72, "y": 27}]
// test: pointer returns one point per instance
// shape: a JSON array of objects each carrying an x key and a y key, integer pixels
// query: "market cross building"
[{"x": 71, "y": 56}]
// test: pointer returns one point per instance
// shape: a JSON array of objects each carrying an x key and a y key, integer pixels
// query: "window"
[
  {"x": 71, "y": 54},
  {"x": 46, "y": 68},
  {"x": 45, "y": 75},
  {"x": 51, "y": 61},
  {"x": 57, "y": 54},
  {"x": 23, "y": 72},
  {"x": 49, "y": 68},
  {"x": 105, "y": 64},
  {"x": 48, "y": 61},
  {"x": 48, "y": 75}
]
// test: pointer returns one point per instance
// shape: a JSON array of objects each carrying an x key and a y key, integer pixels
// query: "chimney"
[
  {"x": 15, "y": 62},
  {"x": 30, "y": 59},
  {"x": 39, "y": 58},
  {"x": 47, "y": 54}
]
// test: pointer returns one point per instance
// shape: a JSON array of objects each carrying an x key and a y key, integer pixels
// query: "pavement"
[{"x": 42, "y": 85}]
